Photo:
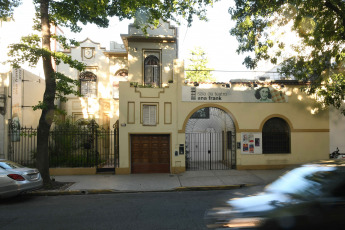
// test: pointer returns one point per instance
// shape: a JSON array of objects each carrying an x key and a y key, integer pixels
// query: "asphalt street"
[{"x": 141, "y": 210}]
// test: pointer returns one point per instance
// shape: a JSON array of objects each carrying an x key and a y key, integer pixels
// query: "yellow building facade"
[
  {"x": 240, "y": 138},
  {"x": 168, "y": 125}
]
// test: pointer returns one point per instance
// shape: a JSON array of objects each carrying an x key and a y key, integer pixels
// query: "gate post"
[{"x": 116, "y": 144}]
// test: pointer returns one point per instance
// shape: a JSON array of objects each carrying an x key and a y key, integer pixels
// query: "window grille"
[
  {"x": 203, "y": 113},
  {"x": 122, "y": 73},
  {"x": 152, "y": 71},
  {"x": 276, "y": 136},
  {"x": 88, "y": 84}
]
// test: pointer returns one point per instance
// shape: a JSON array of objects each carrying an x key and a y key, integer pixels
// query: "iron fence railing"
[
  {"x": 23, "y": 145},
  {"x": 83, "y": 146},
  {"x": 208, "y": 151}
]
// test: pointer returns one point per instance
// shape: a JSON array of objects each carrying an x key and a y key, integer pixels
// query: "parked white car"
[{"x": 16, "y": 179}]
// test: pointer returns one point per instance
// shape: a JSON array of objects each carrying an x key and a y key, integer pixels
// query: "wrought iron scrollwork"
[{"x": 116, "y": 125}]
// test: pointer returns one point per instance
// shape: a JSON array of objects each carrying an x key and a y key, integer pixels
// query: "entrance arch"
[{"x": 210, "y": 140}]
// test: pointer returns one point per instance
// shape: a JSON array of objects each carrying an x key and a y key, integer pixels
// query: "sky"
[{"x": 213, "y": 36}]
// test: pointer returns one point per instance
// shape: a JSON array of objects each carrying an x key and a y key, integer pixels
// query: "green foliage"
[
  {"x": 69, "y": 144},
  {"x": 197, "y": 70},
  {"x": 30, "y": 51},
  {"x": 146, "y": 12},
  {"x": 133, "y": 84},
  {"x": 65, "y": 86},
  {"x": 72, "y": 14},
  {"x": 66, "y": 43},
  {"x": 7, "y": 7},
  {"x": 319, "y": 55},
  {"x": 146, "y": 86}
]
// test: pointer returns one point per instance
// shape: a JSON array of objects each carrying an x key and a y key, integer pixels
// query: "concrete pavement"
[{"x": 190, "y": 180}]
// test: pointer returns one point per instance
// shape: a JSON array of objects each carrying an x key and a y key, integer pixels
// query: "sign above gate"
[{"x": 260, "y": 94}]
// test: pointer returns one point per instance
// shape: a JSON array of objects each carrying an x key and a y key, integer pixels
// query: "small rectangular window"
[{"x": 149, "y": 114}]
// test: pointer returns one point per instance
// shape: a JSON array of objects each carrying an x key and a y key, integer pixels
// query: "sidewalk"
[{"x": 190, "y": 180}]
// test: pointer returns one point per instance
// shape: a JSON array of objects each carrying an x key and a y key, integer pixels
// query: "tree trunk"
[{"x": 47, "y": 115}]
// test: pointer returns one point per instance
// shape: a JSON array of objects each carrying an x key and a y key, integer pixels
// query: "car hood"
[{"x": 263, "y": 202}]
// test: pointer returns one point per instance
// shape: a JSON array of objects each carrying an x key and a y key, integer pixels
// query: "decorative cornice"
[
  {"x": 115, "y": 53},
  {"x": 252, "y": 82},
  {"x": 140, "y": 95}
]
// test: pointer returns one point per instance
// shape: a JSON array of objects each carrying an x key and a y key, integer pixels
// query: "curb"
[
  {"x": 207, "y": 188},
  {"x": 71, "y": 192},
  {"x": 113, "y": 191}
]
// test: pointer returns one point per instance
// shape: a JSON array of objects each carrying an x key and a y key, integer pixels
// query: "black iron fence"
[
  {"x": 22, "y": 145},
  {"x": 69, "y": 146}
]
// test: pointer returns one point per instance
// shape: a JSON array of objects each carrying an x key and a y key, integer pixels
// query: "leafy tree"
[
  {"x": 197, "y": 70},
  {"x": 72, "y": 14},
  {"x": 318, "y": 57},
  {"x": 7, "y": 7}
]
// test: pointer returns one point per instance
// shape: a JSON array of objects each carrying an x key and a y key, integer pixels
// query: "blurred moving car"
[
  {"x": 16, "y": 179},
  {"x": 308, "y": 197}
]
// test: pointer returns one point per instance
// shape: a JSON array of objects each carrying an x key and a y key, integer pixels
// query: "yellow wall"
[
  {"x": 309, "y": 124},
  {"x": 137, "y": 97},
  {"x": 136, "y": 59},
  {"x": 305, "y": 147},
  {"x": 309, "y": 129}
]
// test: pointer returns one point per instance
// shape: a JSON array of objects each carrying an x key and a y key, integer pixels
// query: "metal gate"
[
  {"x": 107, "y": 148},
  {"x": 74, "y": 146},
  {"x": 210, "y": 140}
]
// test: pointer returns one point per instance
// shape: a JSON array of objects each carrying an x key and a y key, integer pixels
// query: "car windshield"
[
  {"x": 10, "y": 165},
  {"x": 304, "y": 181}
]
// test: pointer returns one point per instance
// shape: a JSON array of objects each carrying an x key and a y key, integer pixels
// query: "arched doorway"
[{"x": 210, "y": 140}]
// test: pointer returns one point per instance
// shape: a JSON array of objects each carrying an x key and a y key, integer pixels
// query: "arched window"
[
  {"x": 88, "y": 84},
  {"x": 152, "y": 71},
  {"x": 121, "y": 73},
  {"x": 276, "y": 136}
]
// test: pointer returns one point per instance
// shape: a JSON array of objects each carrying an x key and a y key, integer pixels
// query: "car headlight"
[{"x": 250, "y": 222}]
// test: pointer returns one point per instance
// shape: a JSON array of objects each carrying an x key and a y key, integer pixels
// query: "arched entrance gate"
[{"x": 210, "y": 140}]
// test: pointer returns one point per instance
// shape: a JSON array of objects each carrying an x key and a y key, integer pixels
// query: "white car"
[{"x": 16, "y": 179}]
